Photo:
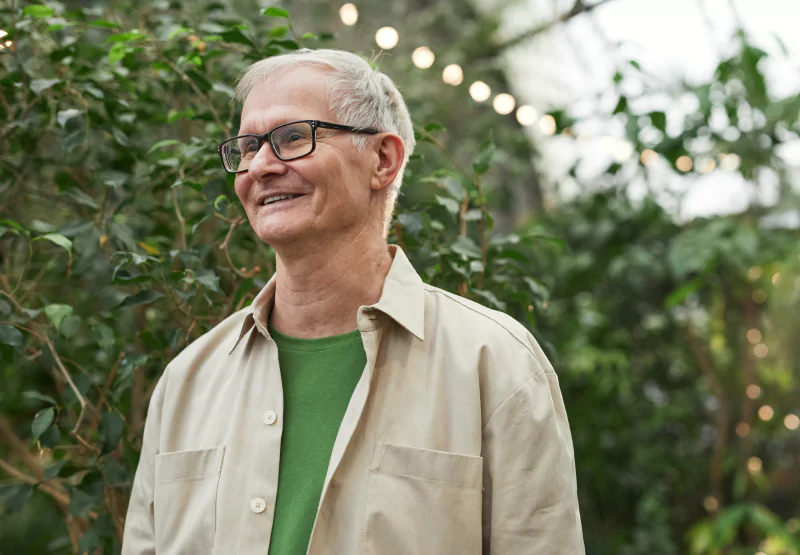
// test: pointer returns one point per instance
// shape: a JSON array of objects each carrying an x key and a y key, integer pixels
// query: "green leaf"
[
  {"x": 162, "y": 144},
  {"x": 57, "y": 312},
  {"x": 130, "y": 36},
  {"x": 103, "y": 24},
  {"x": 50, "y": 438},
  {"x": 65, "y": 115},
  {"x": 481, "y": 165},
  {"x": 465, "y": 246},
  {"x": 56, "y": 238},
  {"x": 659, "y": 120},
  {"x": 210, "y": 281},
  {"x": 104, "y": 335},
  {"x": 276, "y": 12},
  {"x": 539, "y": 291},
  {"x": 622, "y": 105},
  {"x": 80, "y": 503},
  {"x": 43, "y": 420},
  {"x": 53, "y": 470},
  {"x": 491, "y": 297},
  {"x": 36, "y": 396},
  {"x": 89, "y": 542},
  {"x": 433, "y": 126},
  {"x": 236, "y": 37},
  {"x": 9, "y": 335},
  {"x": 39, "y": 85},
  {"x": 142, "y": 297},
  {"x": 110, "y": 430},
  {"x": 244, "y": 288},
  {"x": 309, "y": 36},
  {"x": 37, "y": 10},
  {"x": 13, "y": 498},
  {"x": 70, "y": 326},
  {"x": 451, "y": 205}
]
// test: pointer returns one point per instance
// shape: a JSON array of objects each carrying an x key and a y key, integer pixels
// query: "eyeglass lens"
[{"x": 289, "y": 141}]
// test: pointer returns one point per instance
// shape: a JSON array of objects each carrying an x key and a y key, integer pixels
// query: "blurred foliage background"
[{"x": 121, "y": 241}]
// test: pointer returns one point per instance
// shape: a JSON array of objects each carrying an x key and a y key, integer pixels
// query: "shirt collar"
[{"x": 402, "y": 299}]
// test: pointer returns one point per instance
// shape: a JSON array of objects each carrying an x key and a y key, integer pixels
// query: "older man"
[{"x": 352, "y": 409}]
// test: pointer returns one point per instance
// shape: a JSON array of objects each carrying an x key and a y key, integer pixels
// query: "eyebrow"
[{"x": 247, "y": 128}]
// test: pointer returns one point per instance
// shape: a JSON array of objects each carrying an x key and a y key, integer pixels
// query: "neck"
[{"x": 319, "y": 289}]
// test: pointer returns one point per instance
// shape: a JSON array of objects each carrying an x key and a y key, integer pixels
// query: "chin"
[{"x": 282, "y": 233}]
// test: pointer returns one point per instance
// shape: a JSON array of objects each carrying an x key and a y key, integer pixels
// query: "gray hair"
[{"x": 358, "y": 95}]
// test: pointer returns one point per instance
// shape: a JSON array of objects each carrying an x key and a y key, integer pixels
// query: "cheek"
[{"x": 242, "y": 187}]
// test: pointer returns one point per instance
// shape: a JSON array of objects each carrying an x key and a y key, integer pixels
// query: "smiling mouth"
[{"x": 278, "y": 199}]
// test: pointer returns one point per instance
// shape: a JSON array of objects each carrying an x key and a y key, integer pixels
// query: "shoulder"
[
  {"x": 458, "y": 315},
  {"x": 502, "y": 351}
]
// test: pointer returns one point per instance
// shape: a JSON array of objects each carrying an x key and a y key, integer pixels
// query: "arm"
[
  {"x": 530, "y": 492},
  {"x": 139, "y": 536}
]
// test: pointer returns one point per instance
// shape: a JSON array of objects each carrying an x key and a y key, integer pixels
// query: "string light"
[
  {"x": 759, "y": 296},
  {"x": 761, "y": 350},
  {"x": 503, "y": 104},
  {"x": 527, "y": 115},
  {"x": 547, "y": 124},
  {"x": 766, "y": 413},
  {"x": 622, "y": 150},
  {"x": 387, "y": 37},
  {"x": 648, "y": 157},
  {"x": 742, "y": 429},
  {"x": 348, "y": 14},
  {"x": 423, "y": 57},
  {"x": 753, "y": 391},
  {"x": 480, "y": 91},
  {"x": 754, "y": 464},
  {"x": 710, "y": 503},
  {"x": 753, "y": 273},
  {"x": 453, "y": 75},
  {"x": 706, "y": 165},
  {"x": 753, "y": 335},
  {"x": 792, "y": 421},
  {"x": 684, "y": 163},
  {"x": 729, "y": 162},
  {"x": 776, "y": 278}
]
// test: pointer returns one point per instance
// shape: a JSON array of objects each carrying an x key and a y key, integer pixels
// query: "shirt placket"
[
  {"x": 371, "y": 333},
  {"x": 266, "y": 431}
]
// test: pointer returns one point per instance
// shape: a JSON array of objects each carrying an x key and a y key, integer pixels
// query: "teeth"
[{"x": 277, "y": 198}]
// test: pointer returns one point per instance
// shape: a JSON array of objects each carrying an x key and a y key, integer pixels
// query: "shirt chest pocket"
[
  {"x": 423, "y": 501},
  {"x": 185, "y": 500}
]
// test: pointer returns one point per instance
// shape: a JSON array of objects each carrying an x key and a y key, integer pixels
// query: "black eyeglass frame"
[{"x": 267, "y": 137}]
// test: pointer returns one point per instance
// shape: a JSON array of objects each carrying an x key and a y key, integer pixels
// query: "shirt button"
[
  {"x": 258, "y": 505},
  {"x": 270, "y": 417}
]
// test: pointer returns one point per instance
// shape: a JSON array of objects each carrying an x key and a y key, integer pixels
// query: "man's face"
[{"x": 333, "y": 182}]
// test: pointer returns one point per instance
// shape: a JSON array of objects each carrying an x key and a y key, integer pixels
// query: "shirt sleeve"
[
  {"x": 139, "y": 535},
  {"x": 530, "y": 492}
]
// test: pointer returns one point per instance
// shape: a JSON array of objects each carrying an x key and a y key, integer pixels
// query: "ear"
[{"x": 390, "y": 152}]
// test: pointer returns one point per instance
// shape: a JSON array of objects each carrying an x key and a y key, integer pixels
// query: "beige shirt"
[{"x": 455, "y": 440}]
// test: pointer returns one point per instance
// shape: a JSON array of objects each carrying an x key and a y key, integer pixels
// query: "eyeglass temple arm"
[{"x": 346, "y": 128}]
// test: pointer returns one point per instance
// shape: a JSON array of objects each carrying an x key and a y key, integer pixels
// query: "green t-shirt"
[{"x": 319, "y": 376}]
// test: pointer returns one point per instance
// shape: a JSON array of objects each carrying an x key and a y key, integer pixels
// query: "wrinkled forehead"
[{"x": 289, "y": 94}]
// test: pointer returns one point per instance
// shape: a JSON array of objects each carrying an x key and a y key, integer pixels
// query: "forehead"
[{"x": 289, "y": 94}]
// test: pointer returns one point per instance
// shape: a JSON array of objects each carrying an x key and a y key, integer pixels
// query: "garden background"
[{"x": 675, "y": 336}]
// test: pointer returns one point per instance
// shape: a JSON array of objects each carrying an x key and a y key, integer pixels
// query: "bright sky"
[{"x": 672, "y": 40}]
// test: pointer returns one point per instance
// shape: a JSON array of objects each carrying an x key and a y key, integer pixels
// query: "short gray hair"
[{"x": 358, "y": 95}]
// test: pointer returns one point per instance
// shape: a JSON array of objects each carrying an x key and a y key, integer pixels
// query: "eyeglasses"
[{"x": 289, "y": 141}]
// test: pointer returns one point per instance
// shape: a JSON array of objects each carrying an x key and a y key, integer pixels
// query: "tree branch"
[
  {"x": 706, "y": 366},
  {"x": 577, "y": 9}
]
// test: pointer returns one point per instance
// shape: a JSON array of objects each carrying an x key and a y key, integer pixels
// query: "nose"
[{"x": 265, "y": 163}]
